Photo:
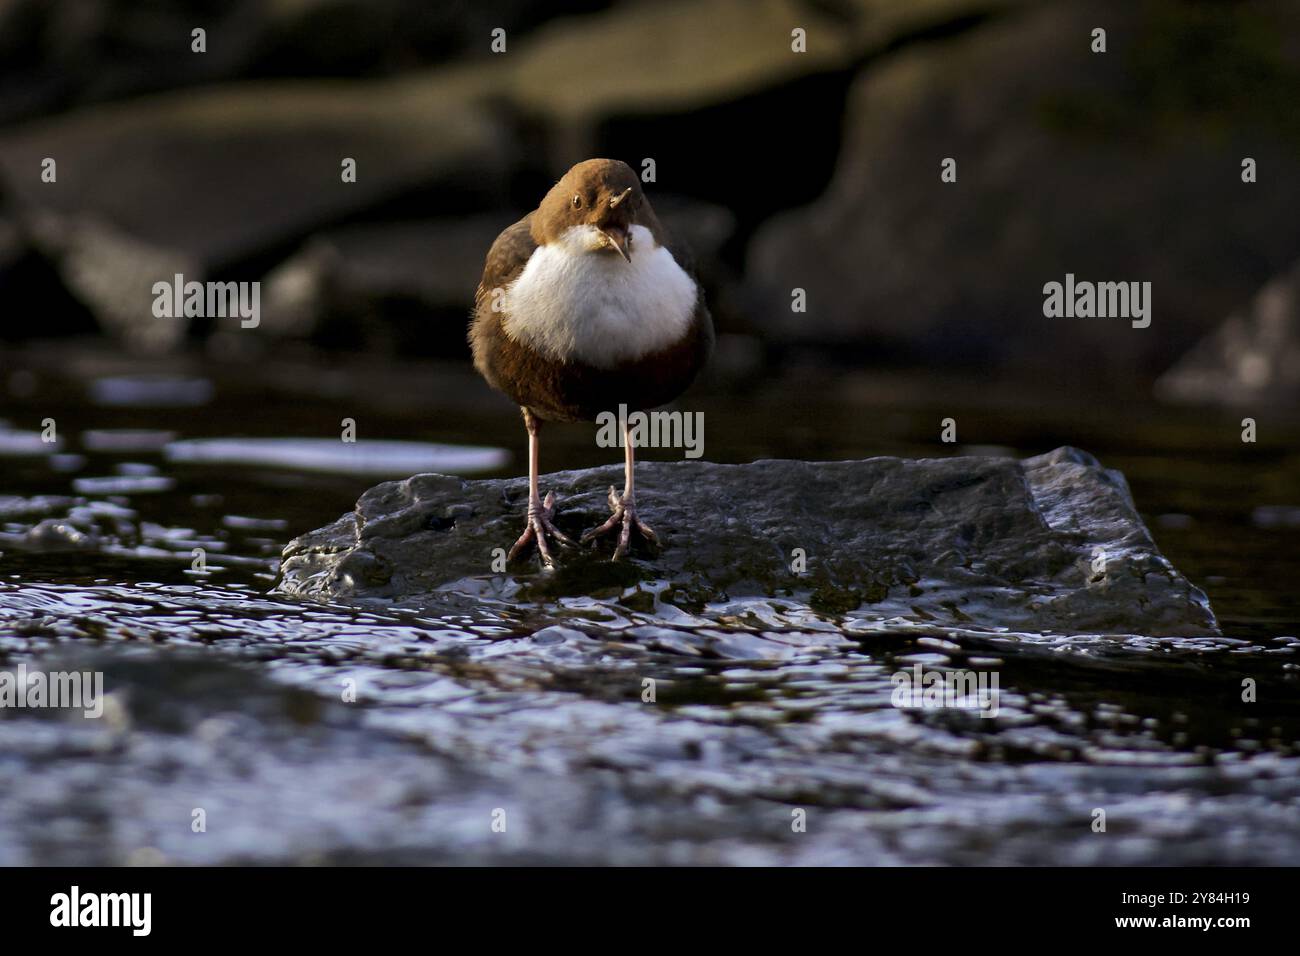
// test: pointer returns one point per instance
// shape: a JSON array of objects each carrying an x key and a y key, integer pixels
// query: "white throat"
[{"x": 572, "y": 303}]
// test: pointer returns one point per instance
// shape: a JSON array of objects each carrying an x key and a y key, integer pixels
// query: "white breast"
[{"x": 570, "y": 303}]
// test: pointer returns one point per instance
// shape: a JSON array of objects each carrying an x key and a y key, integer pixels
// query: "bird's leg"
[
  {"x": 540, "y": 513},
  {"x": 624, "y": 516}
]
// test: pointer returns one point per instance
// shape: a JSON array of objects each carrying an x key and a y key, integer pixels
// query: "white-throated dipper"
[{"x": 587, "y": 303}]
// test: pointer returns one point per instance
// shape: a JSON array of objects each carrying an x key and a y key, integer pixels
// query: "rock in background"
[
  {"x": 59, "y": 54},
  {"x": 203, "y": 184},
  {"x": 1122, "y": 166},
  {"x": 1252, "y": 358}
]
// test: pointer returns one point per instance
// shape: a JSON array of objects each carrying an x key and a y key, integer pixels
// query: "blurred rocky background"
[{"x": 817, "y": 170}]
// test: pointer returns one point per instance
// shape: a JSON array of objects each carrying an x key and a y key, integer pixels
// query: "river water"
[{"x": 242, "y": 726}]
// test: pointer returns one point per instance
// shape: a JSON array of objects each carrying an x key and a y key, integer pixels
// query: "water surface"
[{"x": 308, "y": 732}]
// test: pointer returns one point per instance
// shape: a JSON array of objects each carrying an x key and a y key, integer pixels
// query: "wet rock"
[
  {"x": 1253, "y": 357},
  {"x": 54, "y": 534},
  {"x": 53, "y": 524},
  {"x": 893, "y": 258},
  {"x": 1051, "y": 543}
]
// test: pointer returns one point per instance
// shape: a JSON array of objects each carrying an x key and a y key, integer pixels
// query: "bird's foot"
[
  {"x": 539, "y": 525},
  {"x": 624, "y": 518}
]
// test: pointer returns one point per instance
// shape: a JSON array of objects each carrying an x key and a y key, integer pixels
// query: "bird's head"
[{"x": 603, "y": 197}]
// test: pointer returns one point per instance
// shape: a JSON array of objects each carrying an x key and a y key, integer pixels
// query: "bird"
[{"x": 585, "y": 304}]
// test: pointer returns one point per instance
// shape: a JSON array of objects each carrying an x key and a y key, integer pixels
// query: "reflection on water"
[
  {"x": 463, "y": 710},
  {"x": 607, "y": 728},
  {"x": 375, "y": 459}
]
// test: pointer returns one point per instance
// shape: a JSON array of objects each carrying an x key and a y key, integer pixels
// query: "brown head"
[{"x": 601, "y": 193}]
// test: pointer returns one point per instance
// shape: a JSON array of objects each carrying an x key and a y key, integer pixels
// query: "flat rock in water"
[{"x": 1049, "y": 544}]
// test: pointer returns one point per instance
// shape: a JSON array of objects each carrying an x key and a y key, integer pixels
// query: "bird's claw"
[
  {"x": 624, "y": 517},
  {"x": 539, "y": 525}
]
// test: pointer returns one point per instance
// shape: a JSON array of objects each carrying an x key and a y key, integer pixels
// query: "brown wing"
[{"x": 505, "y": 260}]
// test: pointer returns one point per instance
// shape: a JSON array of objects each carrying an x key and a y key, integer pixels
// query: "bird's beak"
[{"x": 620, "y": 239}]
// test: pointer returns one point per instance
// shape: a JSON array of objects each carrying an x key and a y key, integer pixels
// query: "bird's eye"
[{"x": 577, "y": 201}]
